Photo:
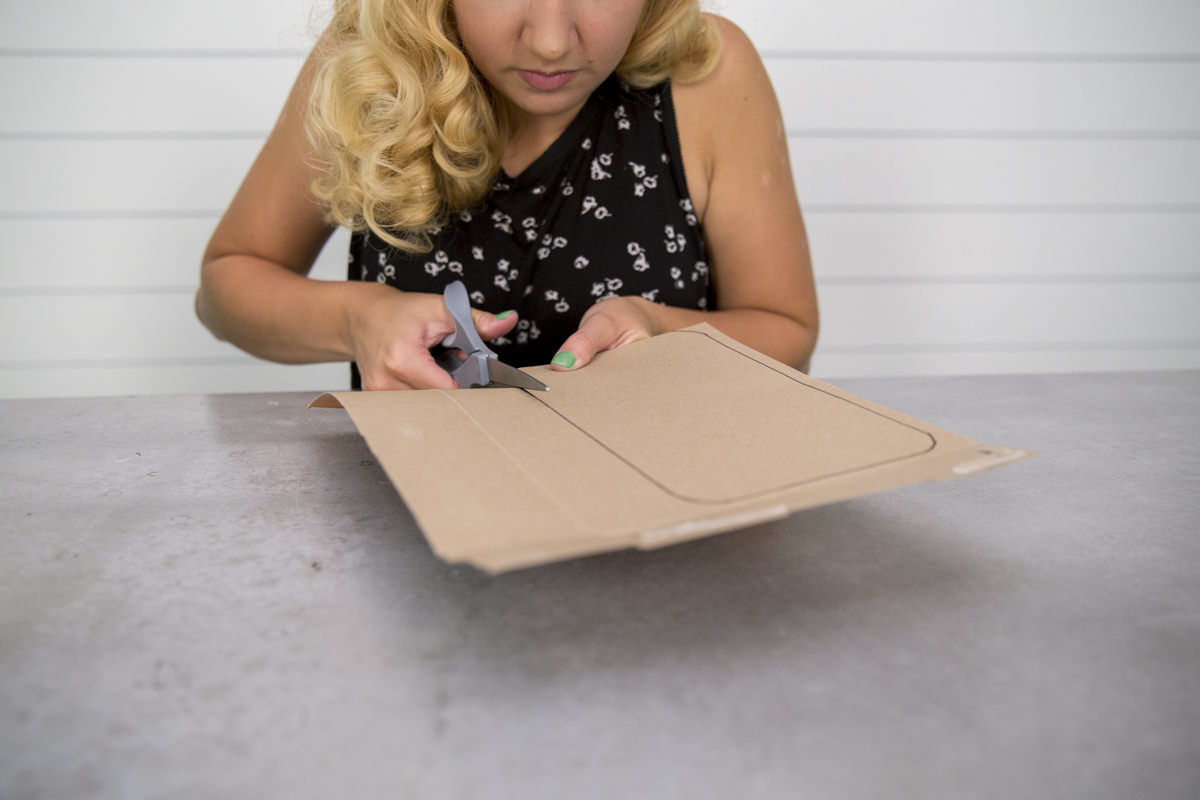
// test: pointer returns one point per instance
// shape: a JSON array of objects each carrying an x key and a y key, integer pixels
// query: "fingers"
[
  {"x": 407, "y": 368},
  {"x": 407, "y": 363},
  {"x": 492, "y": 326},
  {"x": 593, "y": 336},
  {"x": 605, "y": 326}
]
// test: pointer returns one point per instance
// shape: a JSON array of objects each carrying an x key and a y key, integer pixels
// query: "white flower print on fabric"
[
  {"x": 504, "y": 275},
  {"x": 502, "y": 221},
  {"x": 622, "y": 116},
  {"x": 560, "y": 303},
  {"x": 581, "y": 262},
  {"x": 527, "y": 331},
  {"x": 587, "y": 144},
  {"x": 677, "y": 276},
  {"x": 549, "y": 245},
  {"x": 590, "y": 203},
  {"x": 477, "y": 298},
  {"x": 538, "y": 190},
  {"x": 686, "y": 206},
  {"x": 640, "y": 264},
  {"x": 567, "y": 188},
  {"x": 442, "y": 262},
  {"x": 651, "y": 295},
  {"x": 530, "y": 225},
  {"x": 465, "y": 216},
  {"x": 599, "y": 173},
  {"x": 477, "y": 253},
  {"x": 644, "y": 181},
  {"x": 675, "y": 242}
]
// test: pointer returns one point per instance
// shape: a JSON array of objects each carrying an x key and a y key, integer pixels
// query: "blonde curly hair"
[{"x": 405, "y": 131}]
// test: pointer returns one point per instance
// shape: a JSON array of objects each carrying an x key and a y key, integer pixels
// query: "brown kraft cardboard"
[{"x": 684, "y": 435}]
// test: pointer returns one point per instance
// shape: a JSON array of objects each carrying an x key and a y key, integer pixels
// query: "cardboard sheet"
[{"x": 684, "y": 435}]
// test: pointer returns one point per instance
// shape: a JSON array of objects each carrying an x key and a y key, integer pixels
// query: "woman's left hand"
[{"x": 608, "y": 325}]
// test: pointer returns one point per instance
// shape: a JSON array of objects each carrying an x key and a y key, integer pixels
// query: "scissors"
[{"x": 481, "y": 367}]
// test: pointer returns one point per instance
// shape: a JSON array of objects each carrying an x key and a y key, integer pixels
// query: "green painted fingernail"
[
  {"x": 504, "y": 315},
  {"x": 565, "y": 359}
]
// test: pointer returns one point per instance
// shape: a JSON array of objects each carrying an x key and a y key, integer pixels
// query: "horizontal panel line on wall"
[
  {"x": 796, "y": 133},
  {"x": 811, "y": 208},
  {"x": 807, "y": 55},
  {"x": 93, "y": 291},
  {"x": 1080, "y": 135},
  {"x": 214, "y": 53},
  {"x": 957, "y": 280},
  {"x": 1001, "y": 208},
  {"x": 83, "y": 136},
  {"x": 854, "y": 280},
  {"x": 991, "y": 347},
  {"x": 132, "y": 213},
  {"x": 1001, "y": 58},
  {"x": 117, "y": 363}
]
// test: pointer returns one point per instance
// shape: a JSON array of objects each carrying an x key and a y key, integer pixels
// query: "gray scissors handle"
[
  {"x": 465, "y": 337},
  {"x": 473, "y": 370},
  {"x": 481, "y": 367}
]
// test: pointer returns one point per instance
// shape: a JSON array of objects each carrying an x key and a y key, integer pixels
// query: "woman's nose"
[{"x": 549, "y": 30}]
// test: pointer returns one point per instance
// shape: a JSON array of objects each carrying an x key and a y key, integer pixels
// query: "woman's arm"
[
  {"x": 253, "y": 286},
  {"x": 740, "y": 181},
  {"x": 255, "y": 291}
]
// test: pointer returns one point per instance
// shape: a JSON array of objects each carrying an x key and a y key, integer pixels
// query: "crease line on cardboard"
[
  {"x": 807, "y": 385},
  {"x": 566, "y": 509},
  {"x": 934, "y": 443}
]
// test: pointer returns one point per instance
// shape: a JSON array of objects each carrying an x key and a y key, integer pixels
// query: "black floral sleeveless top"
[{"x": 603, "y": 212}]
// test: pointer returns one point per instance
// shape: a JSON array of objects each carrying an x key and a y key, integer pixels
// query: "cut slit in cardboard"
[{"x": 684, "y": 435}]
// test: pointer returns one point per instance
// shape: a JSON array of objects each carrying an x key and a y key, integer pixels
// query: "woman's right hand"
[{"x": 391, "y": 332}]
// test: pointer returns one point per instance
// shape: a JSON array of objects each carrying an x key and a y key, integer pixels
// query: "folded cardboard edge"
[
  {"x": 947, "y": 465},
  {"x": 327, "y": 400}
]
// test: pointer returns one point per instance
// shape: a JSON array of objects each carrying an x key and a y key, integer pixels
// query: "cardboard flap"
[
  {"x": 711, "y": 423},
  {"x": 327, "y": 400},
  {"x": 679, "y": 436}
]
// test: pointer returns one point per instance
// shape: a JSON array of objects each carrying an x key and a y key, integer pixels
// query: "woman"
[{"x": 606, "y": 170}]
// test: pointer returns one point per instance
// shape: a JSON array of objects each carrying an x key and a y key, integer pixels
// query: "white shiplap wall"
[{"x": 992, "y": 186}]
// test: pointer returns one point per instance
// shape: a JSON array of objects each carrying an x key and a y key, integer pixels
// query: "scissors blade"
[{"x": 505, "y": 375}]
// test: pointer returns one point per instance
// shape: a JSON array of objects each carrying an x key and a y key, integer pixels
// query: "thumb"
[{"x": 597, "y": 332}]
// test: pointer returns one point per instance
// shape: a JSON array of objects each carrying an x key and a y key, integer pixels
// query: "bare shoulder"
[
  {"x": 718, "y": 114},
  {"x": 739, "y": 73}
]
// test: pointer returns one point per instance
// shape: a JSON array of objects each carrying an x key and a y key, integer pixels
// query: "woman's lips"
[{"x": 545, "y": 81}]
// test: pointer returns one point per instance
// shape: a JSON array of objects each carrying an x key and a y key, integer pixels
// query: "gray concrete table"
[{"x": 224, "y": 597}]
